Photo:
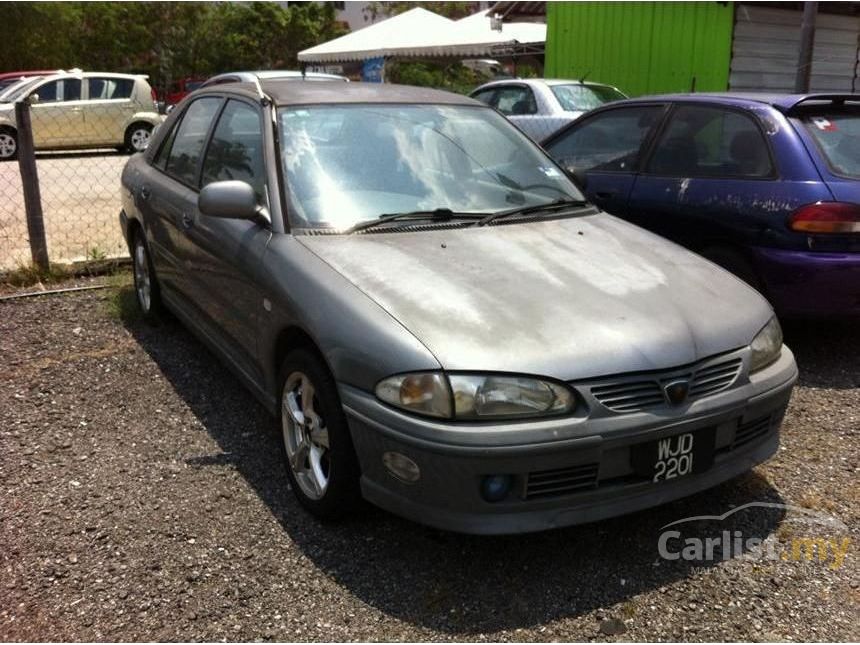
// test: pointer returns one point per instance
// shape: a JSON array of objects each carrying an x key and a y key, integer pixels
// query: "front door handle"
[
  {"x": 187, "y": 221},
  {"x": 145, "y": 192},
  {"x": 604, "y": 194}
]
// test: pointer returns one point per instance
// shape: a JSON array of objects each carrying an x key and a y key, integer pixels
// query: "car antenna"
[
  {"x": 584, "y": 76},
  {"x": 264, "y": 98},
  {"x": 304, "y": 69}
]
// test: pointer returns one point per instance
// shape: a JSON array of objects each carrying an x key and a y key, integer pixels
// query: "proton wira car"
[{"x": 443, "y": 324}]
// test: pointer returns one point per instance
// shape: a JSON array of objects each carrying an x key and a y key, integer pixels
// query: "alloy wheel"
[
  {"x": 142, "y": 280},
  {"x": 305, "y": 435},
  {"x": 8, "y": 145},
  {"x": 140, "y": 139}
]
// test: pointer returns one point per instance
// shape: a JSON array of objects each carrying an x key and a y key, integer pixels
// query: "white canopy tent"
[{"x": 419, "y": 33}]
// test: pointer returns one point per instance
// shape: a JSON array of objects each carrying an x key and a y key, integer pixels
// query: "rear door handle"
[
  {"x": 187, "y": 221},
  {"x": 604, "y": 195},
  {"x": 145, "y": 192}
]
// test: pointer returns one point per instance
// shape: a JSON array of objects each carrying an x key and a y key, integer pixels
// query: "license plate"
[{"x": 676, "y": 456}]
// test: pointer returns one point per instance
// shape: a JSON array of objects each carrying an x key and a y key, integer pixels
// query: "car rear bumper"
[
  {"x": 804, "y": 284},
  {"x": 596, "y": 476}
]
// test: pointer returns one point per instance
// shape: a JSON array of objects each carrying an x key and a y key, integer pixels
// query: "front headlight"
[
  {"x": 766, "y": 345},
  {"x": 476, "y": 396}
]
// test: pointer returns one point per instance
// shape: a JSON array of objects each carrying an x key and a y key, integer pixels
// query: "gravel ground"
[{"x": 143, "y": 497}]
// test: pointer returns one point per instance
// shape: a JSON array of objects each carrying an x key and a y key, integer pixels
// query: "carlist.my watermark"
[{"x": 814, "y": 537}]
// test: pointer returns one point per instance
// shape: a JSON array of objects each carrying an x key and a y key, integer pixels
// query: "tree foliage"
[{"x": 167, "y": 40}]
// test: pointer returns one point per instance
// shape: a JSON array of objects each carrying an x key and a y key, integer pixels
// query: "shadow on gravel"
[
  {"x": 443, "y": 581},
  {"x": 827, "y": 352}
]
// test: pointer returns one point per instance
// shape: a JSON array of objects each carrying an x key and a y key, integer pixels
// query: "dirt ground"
[{"x": 143, "y": 497}]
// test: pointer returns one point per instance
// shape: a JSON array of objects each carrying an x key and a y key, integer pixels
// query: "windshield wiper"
[
  {"x": 557, "y": 205},
  {"x": 435, "y": 215}
]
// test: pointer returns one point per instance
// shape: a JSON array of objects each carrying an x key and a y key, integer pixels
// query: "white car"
[{"x": 539, "y": 106}]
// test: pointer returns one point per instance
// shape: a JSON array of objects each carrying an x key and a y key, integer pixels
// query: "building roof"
[{"x": 422, "y": 33}]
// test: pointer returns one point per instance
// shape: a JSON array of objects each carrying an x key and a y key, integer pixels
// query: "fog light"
[
  {"x": 401, "y": 466},
  {"x": 494, "y": 488}
]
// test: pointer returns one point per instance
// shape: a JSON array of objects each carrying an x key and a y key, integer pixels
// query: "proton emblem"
[{"x": 676, "y": 391}]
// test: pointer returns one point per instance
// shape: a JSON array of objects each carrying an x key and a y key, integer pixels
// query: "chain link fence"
[{"x": 68, "y": 158}]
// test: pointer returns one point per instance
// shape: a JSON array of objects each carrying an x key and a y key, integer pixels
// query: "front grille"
[
  {"x": 560, "y": 481},
  {"x": 751, "y": 431},
  {"x": 646, "y": 391}
]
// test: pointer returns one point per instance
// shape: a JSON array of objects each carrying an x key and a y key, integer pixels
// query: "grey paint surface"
[{"x": 571, "y": 298}]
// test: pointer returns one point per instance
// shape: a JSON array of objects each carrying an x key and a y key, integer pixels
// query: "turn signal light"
[{"x": 826, "y": 217}]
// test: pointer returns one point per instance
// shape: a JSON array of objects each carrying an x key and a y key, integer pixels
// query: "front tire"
[
  {"x": 137, "y": 137},
  {"x": 146, "y": 288},
  {"x": 320, "y": 459},
  {"x": 8, "y": 144}
]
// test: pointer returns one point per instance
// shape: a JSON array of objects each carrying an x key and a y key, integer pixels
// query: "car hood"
[{"x": 569, "y": 298}]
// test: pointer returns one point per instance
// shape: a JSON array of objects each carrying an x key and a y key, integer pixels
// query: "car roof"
[
  {"x": 782, "y": 102},
  {"x": 542, "y": 81},
  {"x": 285, "y": 92},
  {"x": 276, "y": 73}
]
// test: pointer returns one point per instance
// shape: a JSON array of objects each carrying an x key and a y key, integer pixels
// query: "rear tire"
[
  {"x": 137, "y": 137},
  {"x": 8, "y": 144},
  {"x": 320, "y": 459},
  {"x": 146, "y": 289}
]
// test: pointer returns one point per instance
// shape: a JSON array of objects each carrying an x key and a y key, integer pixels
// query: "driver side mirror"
[
  {"x": 230, "y": 200},
  {"x": 34, "y": 98}
]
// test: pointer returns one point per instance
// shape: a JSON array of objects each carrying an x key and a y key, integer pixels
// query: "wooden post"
[
  {"x": 30, "y": 183},
  {"x": 807, "y": 44}
]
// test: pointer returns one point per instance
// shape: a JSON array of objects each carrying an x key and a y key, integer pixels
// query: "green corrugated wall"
[{"x": 641, "y": 47}]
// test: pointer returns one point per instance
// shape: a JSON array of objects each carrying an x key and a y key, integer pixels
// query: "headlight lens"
[
  {"x": 473, "y": 396},
  {"x": 766, "y": 345}
]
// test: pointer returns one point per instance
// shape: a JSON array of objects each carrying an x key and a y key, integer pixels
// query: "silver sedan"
[
  {"x": 443, "y": 324},
  {"x": 540, "y": 106}
]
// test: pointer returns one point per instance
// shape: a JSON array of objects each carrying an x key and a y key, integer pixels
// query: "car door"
[
  {"x": 167, "y": 194},
  {"x": 712, "y": 179},
  {"x": 603, "y": 151},
  {"x": 107, "y": 109},
  {"x": 224, "y": 254},
  {"x": 56, "y": 113}
]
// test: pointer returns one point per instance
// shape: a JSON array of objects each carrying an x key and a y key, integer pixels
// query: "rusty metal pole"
[
  {"x": 30, "y": 183},
  {"x": 807, "y": 43}
]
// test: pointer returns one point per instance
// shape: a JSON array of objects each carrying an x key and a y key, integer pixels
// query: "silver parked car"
[
  {"x": 271, "y": 74},
  {"x": 75, "y": 110},
  {"x": 442, "y": 323},
  {"x": 540, "y": 106}
]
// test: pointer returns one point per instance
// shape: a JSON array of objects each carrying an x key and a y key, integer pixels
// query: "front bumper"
[
  {"x": 593, "y": 454},
  {"x": 805, "y": 284}
]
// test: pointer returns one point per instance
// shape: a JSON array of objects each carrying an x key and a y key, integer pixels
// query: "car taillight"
[{"x": 826, "y": 217}]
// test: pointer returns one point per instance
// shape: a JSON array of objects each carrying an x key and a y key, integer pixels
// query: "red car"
[
  {"x": 181, "y": 88},
  {"x": 7, "y": 78}
]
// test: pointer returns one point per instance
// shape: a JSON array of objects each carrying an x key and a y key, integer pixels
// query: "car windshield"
[
  {"x": 17, "y": 89},
  {"x": 579, "y": 98},
  {"x": 838, "y": 135},
  {"x": 346, "y": 164}
]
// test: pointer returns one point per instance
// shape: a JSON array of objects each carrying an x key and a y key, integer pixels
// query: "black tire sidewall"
[
  {"x": 15, "y": 138},
  {"x": 342, "y": 495}
]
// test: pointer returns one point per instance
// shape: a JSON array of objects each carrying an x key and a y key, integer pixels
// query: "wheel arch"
[{"x": 288, "y": 339}]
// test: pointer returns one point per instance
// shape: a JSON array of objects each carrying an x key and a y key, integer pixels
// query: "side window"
[
  {"x": 516, "y": 100},
  {"x": 110, "y": 88},
  {"x": 67, "y": 89},
  {"x": 485, "y": 96},
  {"x": 711, "y": 142},
  {"x": 236, "y": 149},
  {"x": 160, "y": 160},
  {"x": 610, "y": 141},
  {"x": 187, "y": 145}
]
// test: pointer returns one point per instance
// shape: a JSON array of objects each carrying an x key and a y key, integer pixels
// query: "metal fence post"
[{"x": 30, "y": 182}]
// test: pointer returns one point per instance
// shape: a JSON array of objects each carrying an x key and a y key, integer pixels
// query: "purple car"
[{"x": 768, "y": 186}]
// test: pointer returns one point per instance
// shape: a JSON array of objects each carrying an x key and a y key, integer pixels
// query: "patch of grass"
[
  {"x": 27, "y": 275},
  {"x": 122, "y": 304}
]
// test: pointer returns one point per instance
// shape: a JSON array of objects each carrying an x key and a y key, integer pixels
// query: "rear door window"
[
  {"x": 837, "y": 133},
  {"x": 109, "y": 88},
  {"x": 705, "y": 141},
  {"x": 607, "y": 142},
  {"x": 515, "y": 100},
  {"x": 190, "y": 137}
]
